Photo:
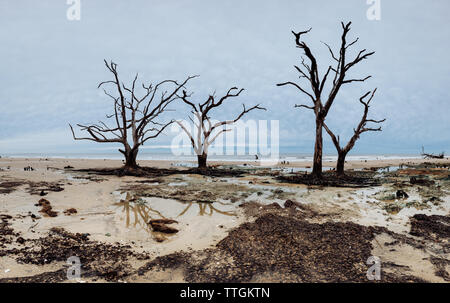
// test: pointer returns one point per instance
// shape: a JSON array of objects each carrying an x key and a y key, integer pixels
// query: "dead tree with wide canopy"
[
  {"x": 322, "y": 103},
  {"x": 361, "y": 128},
  {"x": 134, "y": 118},
  {"x": 205, "y": 132}
]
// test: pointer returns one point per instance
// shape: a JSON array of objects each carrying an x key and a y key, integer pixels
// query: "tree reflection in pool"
[{"x": 139, "y": 211}]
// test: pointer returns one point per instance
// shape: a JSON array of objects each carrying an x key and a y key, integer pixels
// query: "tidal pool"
[{"x": 134, "y": 213}]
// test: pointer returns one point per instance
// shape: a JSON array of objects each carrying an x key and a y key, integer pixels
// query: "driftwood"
[{"x": 432, "y": 156}]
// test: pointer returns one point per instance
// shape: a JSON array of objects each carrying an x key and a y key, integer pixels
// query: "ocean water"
[{"x": 289, "y": 157}]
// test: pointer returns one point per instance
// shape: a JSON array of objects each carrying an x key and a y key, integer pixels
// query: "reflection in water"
[
  {"x": 206, "y": 209},
  {"x": 138, "y": 213},
  {"x": 138, "y": 210}
]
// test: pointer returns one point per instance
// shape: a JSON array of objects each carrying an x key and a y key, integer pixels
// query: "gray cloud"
[{"x": 50, "y": 66}]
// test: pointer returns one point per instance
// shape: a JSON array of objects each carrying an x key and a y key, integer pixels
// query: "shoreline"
[{"x": 329, "y": 164}]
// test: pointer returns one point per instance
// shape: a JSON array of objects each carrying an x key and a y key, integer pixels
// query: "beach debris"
[
  {"x": 28, "y": 168},
  {"x": 7, "y": 233},
  {"x": 275, "y": 248},
  {"x": 37, "y": 188},
  {"x": 34, "y": 188},
  {"x": 42, "y": 202},
  {"x": 70, "y": 211},
  {"x": 420, "y": 181},
  {"x": 434, "y": 199},
  {"x": 160, "y": 238},
  {"x": 432, "y": 156},
  {"x": 274, "y": 205},
  {"x": 355, "y": 179},
  {"x": 393, "y": 208},
  {"x": 160, "y": 225},
  {"x": 46, "y": 208},
  {"x": 5, "y": 218},
  {"x": 152, "y": 172},
  {"x": 401, "y": 194},
  {"x": 99, "y": 260},
  {"x": 68, "y": 167},
  {"x": 163, "y": 228},
  {"x": 20, "y": 240},
  {"x": 289, "y": 204},
  {"x": 163, "y": 221},
  {"x": 435, "y": 227},
  {"x": 7, "y": 187}
]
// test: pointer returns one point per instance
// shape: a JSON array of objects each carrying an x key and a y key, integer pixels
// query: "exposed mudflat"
[
  {"x": 278, "y": 248},
  {"x": 255, "y": 224}
]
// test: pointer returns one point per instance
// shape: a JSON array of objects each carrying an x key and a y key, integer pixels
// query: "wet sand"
[{"x": 116, "y": 210}]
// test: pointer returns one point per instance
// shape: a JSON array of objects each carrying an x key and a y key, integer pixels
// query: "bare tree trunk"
[
  {"x": 340, "y": 163},
  {"x": 130, "y": 158},
  {"x": 317, "y": 161},
  {"x": 202, "y": 161}
]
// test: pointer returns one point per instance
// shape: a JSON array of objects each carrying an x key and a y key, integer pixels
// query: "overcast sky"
[{"x": 50, "y": 66}]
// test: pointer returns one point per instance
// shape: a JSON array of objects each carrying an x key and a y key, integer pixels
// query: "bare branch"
[
  {"x": 333, "y": 137},
  {"x": 331, "y": 52},
  {"x": 305, "y": 106},
  {"x": 297, "y": 35},
  {"x": 356, "y": 80},
  {"x": 298, "y": 87}
]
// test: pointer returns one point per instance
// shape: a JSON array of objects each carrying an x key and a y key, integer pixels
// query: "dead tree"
[
  {"x": 431, "y": 156},
  {"x": 203, "y": 135},
  {"x": 321, "y": 104},
  {"x": 134, "y": 120},
  {"x": 361, "y": 128}
]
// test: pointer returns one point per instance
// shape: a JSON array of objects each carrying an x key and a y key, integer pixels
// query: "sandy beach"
[{"x": 93, "y": 210}]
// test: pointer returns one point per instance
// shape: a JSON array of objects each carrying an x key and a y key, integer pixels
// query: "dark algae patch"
[
  {"x": 6, "y": 232},
  {"x": 435, "y": 227},
  {"x": 33, "y": 188},
  {"x": 351, "y": 179},
  {"x": 99, "y": 260},
  {"x": 7, "y": 187},
  {"x": 280, "y": 248},
  {"x": 149, "y": 172}
]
